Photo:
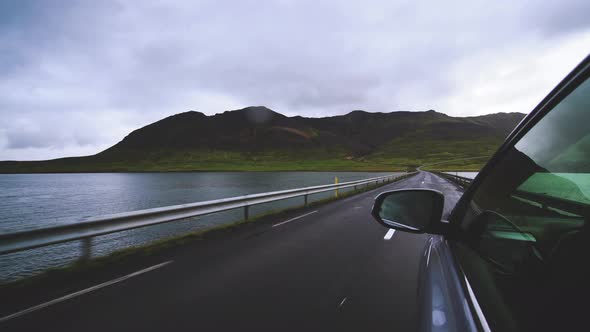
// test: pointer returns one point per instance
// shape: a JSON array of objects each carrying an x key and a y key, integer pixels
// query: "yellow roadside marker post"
[{"x": 336, "y": 191}]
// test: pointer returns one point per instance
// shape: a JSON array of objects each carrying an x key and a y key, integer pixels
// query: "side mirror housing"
[{"x": 411, "y": 210}]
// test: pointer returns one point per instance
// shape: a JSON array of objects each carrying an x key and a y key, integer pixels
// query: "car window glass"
[{"x": 526, "y": 226}]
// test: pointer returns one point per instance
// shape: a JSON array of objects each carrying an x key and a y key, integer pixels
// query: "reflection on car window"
[
  {"x": 570, "y": 186},
  {"x": 526, "y": 224}
]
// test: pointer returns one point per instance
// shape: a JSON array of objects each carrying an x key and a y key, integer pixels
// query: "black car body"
[{"x": 514, "y": 254}]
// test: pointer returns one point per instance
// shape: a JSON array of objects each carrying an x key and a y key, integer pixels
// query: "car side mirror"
[{"x": 410, "y": 210}]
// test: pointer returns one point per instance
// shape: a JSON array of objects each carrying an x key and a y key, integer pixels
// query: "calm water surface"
[{"x": 29, "y": 201}]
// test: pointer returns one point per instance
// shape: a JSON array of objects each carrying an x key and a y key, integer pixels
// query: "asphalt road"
[{"x": 333, "y": 268}]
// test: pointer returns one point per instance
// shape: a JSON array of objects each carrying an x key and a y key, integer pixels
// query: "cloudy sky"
[{"x": 77, "y": 76}]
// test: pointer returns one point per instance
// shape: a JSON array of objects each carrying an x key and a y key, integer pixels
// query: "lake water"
[{"x": 29, "y": 201}]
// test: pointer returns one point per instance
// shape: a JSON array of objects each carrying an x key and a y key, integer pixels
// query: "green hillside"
[{"x": 259, "y": 139}]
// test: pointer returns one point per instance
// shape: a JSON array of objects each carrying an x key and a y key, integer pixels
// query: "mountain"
[
  {"x": 252, "y": 128},
  {"x": 257, "y": 138}
]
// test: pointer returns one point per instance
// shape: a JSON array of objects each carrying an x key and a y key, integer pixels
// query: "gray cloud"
[
  {"x": 554, "y": 18},
  {"x": 81, "y": 74}
]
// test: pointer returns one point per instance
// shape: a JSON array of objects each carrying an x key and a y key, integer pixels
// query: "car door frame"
[
  {"x": 576, "y": 77},
  {"x": 562, "y": 90}
]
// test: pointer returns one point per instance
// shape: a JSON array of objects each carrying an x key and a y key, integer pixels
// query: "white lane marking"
[
  {"x": 82, "y": 292},
  {"x": 342, "y": 303},
  {"x": 293, "y": 219},
  {"x": 389, "y": 234}
]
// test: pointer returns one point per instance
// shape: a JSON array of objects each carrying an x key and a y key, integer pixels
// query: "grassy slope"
[
  {"x": 401, "y": 154},
  {"x": 192, "y": 141},
  {"x": 378, "y": 141},
  {"x": 410, "y": 152},
  {"x": 203, "y": 161}
]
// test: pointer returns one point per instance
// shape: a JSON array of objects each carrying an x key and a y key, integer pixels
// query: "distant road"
[{"x": 331, "y": 268}]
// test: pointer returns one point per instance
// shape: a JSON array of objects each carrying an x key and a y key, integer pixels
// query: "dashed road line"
[
  {"x": 342, "y": 303},
  {"x": 82, "y": 292},
  {"x": 293, "y": 219},
  {"x": 389, "y": 234}
]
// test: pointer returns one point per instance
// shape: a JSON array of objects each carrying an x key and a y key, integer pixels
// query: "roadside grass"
[
  {"x": 80, "y": 268},
  {"x": 236, "y": 165},
  {"x": 447, "y": 153},
  {"x": 398, "y": 155}
]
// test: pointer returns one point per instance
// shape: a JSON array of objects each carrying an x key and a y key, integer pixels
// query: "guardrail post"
[
  {"x": 86, "y": 249},
  {"x": 305, "y": 200},
  {"x": 246, "y": 212}
]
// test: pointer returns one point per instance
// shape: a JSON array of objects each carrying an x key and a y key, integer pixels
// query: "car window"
[{"x": 526, "y": 245}]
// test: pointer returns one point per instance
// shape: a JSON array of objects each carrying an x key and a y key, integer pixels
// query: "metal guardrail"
[
  {"x": 86, "y": 230},
  {"x": 460, "y": 180}
]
